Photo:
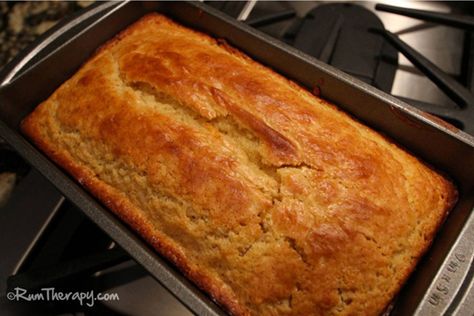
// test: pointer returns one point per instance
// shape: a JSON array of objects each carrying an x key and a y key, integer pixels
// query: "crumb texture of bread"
[{"x": 270, "y": 199}]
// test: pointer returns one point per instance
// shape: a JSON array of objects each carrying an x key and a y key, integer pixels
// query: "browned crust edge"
[
  {"x": 131, "y": 215},
  {"x": 452, "y": 199}
]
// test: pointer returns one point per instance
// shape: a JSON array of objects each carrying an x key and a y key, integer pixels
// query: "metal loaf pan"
[{"x": 442, "y": 282}]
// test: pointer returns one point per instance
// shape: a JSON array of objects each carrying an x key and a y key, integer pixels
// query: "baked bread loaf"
[{"x": 270, "y": 199}]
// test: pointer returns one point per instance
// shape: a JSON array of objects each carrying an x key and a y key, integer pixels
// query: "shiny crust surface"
[{"x": 270, "y": 199}]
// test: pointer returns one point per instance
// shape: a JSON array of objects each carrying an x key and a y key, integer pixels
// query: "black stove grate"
[
  {"x": 339, "y": 34},
  {"x": 461, "y": 116}
]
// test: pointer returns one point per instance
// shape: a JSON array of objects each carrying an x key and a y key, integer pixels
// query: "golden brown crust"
[{"x": 268, "y": 198}]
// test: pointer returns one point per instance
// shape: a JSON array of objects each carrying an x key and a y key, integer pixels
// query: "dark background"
[{"x": 22, "y": 22}]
